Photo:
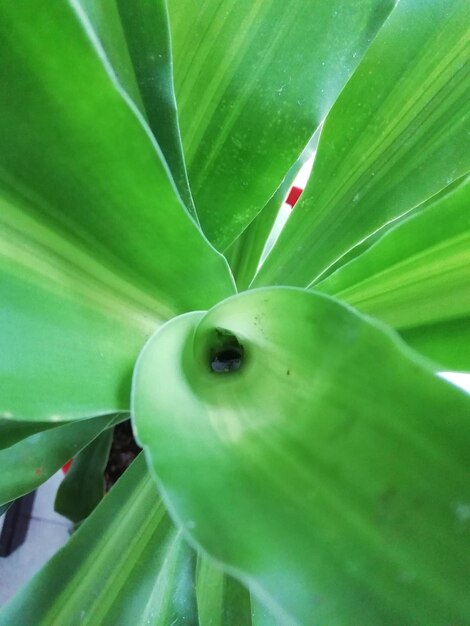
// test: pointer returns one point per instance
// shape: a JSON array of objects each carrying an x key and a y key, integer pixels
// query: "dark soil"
[{"x": 124, "y": 449}]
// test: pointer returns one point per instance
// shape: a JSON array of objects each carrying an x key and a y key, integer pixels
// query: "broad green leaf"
[
  {"x": 253, "y": 80},
  {"x": 369, "y": 241},
  {"x": 33, "y": 459},
  {"x": 418, "y": 273},
  {"x": 12, "y": 431},
  {"x": 446, "y": 343},
  {"x": 244, "y": 255},
  {"x": 126, "y": 564},
  {"x": 103, "y": 186},
  {"x": 135, "y": 38},
  {"x": 83, "y": 486},
  {"x": 342, "y": 454},
  {"x": 103, "y": 24},
  {"x": 69, "y": 333},
  {"x": 399, "y": 132},
  {"x": 95, "y": 246}
]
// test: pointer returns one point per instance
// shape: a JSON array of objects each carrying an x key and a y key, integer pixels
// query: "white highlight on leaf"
[
  {"x": 284, "y": 212},
  {"x": 459, "y": 379}
]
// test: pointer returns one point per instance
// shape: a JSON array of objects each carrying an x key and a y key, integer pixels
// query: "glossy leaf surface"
[
  {"x": 135, "y": 38},
  {"x": 223, "y": 601},
  {"x": 35, "y": 457},
  {"x": 343, "y": 454},
  {"x": 446, "y": 343},
  {"x": 126, "y": 564},
  {"x": 398, "y": 133},
  {"x": 69, "y": 332},
  {"x": 91, "y": 226},
  {"x": 103, "y": 187},
  {"x": 82, "y": 488},
  {"x": 253, "y": 80},
  {"x": 418, "y": 273},
  {"x": 12, "y": 431}
]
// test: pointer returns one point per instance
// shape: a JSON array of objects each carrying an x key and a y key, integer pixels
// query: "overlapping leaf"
[
  {"x": 95, "y": 246},
  {"x": 417, "y": 278},
  {"x": 345, "y": 457},
  {"x": 446, "y": 343},
  {"x": 83, "y": 486},
  {"x": 247, "y": 251},
  {"x": 399, "y": 132},
  {"x": 418, "y": 273},
  {"x": 32, "y": 453},
  {"x": 136, "y": 40},
  {"x": 128, "y": 564},
  {"x": 253, "y": 80}
]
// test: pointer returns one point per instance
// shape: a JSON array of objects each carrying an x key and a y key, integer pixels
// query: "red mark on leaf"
[{"x": 293, "y": 196}]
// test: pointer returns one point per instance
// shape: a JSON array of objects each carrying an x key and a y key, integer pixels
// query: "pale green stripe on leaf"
[
  {"x": 126, "y": 564},
  {"x": 135, "y": 38},
  {"x": 399, "y": 132},
  {"x": 418, "y": 273},
  {"x": 253, "y": 80}
]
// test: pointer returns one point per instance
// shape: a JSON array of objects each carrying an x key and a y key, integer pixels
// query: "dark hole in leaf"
[{"x": 228, "y": 356}]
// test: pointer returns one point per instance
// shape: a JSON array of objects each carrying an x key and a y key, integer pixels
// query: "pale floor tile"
[{"x": 47, "y": 532}]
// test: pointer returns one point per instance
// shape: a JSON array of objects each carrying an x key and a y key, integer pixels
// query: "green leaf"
[
  {"x": 369, "y": 241},
  {"x": 342, "y": 454},
  {"x": 418, "y": 272},
  {"x": 223, "y": 601},
  {"x": 103, "y": 186},
  {"x": 83, "y": 486},
  {"x": 95, "y": 246},
  {"x": 12, "y": 432},
  {"x": 68, "y": 338},
  {"x": 253, "y": 81},
  {"x": 4, "y": 508},
  {"x": 399, "y": 132},
  {"x": 31, "y": 460},
  {"x": 135, "y": 37},
  {"x": 446, "y": 343},
  {"x": 126, "y": 564},
  {"x": 245, "y": 254}
]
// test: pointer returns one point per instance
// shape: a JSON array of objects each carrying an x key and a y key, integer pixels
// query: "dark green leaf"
[
  {"x": 83, "y": 486},
  {"x": 330, "y": 470},
  {"x": 12, "y": 432},
  {"x": 136, "y": 40},
  {"x": 126, "y": 564},
  {"x": 4, "y": 508},
  {"x": 30, "y": 461}
]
